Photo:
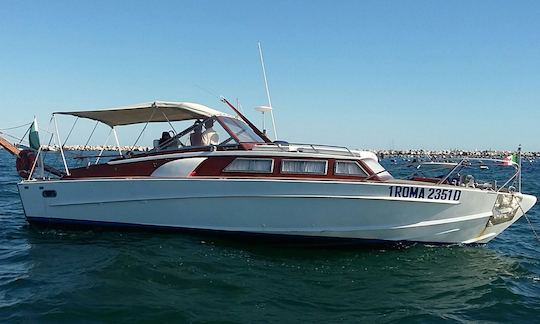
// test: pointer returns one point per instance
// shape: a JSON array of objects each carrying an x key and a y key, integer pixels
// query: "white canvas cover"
[{"x": 157, "y": 111}]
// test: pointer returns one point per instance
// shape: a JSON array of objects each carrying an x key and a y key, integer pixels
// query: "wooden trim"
[{"x": 9, "y": 147}]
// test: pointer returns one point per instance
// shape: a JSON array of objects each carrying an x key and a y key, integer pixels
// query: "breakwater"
[
  {"x": 406, "y": 154},
  {"x": 450, "y": 154},
  {"x": 96, "y": 148}
]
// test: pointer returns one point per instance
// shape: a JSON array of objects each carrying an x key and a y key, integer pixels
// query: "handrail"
[
  {"x": 314, "y": 147},
  {"x": 509, "y": 180},
  {"x": 461, "y": 165},
  {"x": 451, "y": 171}
]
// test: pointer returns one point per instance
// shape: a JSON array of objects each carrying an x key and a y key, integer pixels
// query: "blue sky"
[{"x": 366, "y": 74}]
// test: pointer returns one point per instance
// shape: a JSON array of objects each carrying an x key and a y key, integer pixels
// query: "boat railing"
[
  {"x": 308, "y": 148},
  {"x": 478, "y": 163}
]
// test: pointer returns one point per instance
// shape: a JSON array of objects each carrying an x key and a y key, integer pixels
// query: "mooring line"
[{"x": 528, "y": 221}]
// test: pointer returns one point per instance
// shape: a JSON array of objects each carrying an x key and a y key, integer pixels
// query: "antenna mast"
[{"x": 267, "y": 91}]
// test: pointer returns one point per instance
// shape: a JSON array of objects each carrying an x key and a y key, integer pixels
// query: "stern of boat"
[{"x": 32, "y": 198}]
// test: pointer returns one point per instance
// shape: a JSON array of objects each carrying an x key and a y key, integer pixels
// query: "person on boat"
[
  {"x": 209, "y": 136},
  {"x": 195, "y": 138},
  {"x": 167, "y": 142}
]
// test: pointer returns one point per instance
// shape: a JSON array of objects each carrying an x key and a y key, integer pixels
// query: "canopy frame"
[
  {"x": 143, "y": 113},
  {"x": 146, "y": 113}
]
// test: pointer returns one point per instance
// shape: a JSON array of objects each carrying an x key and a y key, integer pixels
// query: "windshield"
[{"x": 241, "y": 130}]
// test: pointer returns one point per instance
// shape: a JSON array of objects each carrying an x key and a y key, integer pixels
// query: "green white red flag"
[
  {"x": 33, "y": 136},
  {"x": 511, "y": 159}
]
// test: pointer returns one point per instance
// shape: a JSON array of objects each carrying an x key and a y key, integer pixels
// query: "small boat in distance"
[{"x": 222, "y": 174}]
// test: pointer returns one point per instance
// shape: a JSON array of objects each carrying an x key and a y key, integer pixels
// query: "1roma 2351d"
[{"x": 425, "y": 193}]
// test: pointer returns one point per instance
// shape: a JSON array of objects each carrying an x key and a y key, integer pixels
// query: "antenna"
[
  {"x": 263, "y": 109},
  {"x": 267, "y": 94},
  {"x": 239, "y": 105}
]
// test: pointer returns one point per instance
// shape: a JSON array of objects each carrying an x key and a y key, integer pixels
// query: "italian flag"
[{"x": 511, "y": 159}]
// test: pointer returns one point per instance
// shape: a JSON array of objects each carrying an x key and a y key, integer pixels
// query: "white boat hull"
[{"x": 315, "y": 209}]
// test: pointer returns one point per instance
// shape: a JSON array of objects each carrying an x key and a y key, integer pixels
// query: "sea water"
[{"x": 50, "y": 275}]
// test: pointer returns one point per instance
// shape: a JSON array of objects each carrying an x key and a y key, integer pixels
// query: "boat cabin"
[{"x": 216, "y": 144}]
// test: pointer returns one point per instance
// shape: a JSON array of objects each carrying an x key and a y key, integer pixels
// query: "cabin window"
[
  {"x": 349, "y": 168},
  {"x": 304, "y": 166},
  {"x": 48, "y": 193},
  {"x": 251, "y": 165}
]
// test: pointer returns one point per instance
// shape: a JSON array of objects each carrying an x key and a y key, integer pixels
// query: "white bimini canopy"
[{"x": 157, "y": 111}]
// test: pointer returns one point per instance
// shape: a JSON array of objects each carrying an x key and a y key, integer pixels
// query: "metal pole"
[
  {"x": 34, "y": 164},
  {"x": 519, "y": 177},
  {"x": 263, "y": 123},
  {"x": 103, "y": 148},
  {"x": 41, "y": 164},
  {"x": 61, "y": 148},
  {"x": 117, "y": 142},
  {"x": 267, "y": 91}
]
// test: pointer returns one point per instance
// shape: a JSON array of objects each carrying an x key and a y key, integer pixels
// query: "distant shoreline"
[
  {"x": 494, "y": 154},
  {"x": 381, "y": 153}
]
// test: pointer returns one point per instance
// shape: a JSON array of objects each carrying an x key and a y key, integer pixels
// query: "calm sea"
[{"x": 49, "y": 275}]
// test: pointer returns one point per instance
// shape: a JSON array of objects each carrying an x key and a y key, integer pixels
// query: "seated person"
[
  {"x": 167, "y": 142},
  {"x": 195, "y": 138},
  {"x": 209, "y": 136}
]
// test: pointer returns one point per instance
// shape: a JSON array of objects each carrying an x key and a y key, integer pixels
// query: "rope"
[
  {"x": 70, "y": 131},
  {"x": 19, "y": 140},
  {"x": 13, "y": 137},
  {"x": 88, "y": 141},
  {"x": 144, "y": 128},
  {"x": 27, "y": 131},
  {"x": 15, "y": 127},
  {"x": 528, "y": 221}
]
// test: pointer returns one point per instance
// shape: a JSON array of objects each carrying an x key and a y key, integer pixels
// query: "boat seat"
[{"x": 195, "y": 139}]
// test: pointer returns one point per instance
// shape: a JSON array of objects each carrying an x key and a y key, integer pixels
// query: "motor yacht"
[{"x": 222, "y": 174}]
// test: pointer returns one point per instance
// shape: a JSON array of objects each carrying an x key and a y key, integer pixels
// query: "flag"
[
  {"x": 511, "y": 159},
  {"x": 33, "y": 135}
]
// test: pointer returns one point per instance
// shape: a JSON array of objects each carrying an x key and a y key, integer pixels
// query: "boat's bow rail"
[
  {"x": 467, "y": 172},
  {"x": 311, "y": 148}
]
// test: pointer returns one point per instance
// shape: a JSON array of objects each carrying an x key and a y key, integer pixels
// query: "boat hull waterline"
[{"x": 314, "y": 209}]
